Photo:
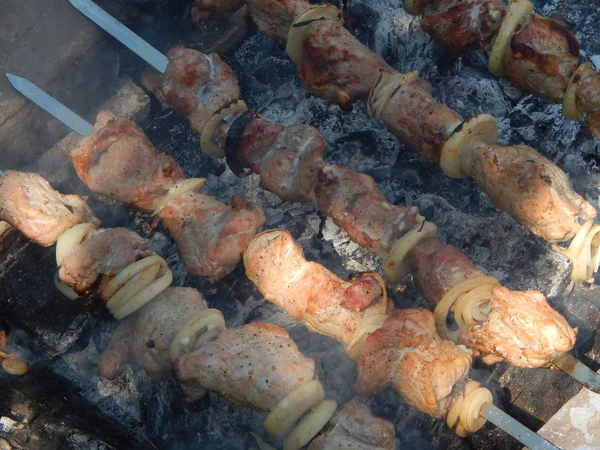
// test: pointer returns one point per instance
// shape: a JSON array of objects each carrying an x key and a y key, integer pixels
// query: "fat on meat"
[
  {"x": 145, "y": 337},
  {"x": 103, "y": 253},
  {"x": 210, "y": 235},
  {"x": 256, "y": 365},
  {"x": 534, "y": 190},
  {"x": 354, "y": 427},
  {"x": 30, "y": 204},
  {"x": 118, "y": 161},
  {"x": 408, "y": 355}
]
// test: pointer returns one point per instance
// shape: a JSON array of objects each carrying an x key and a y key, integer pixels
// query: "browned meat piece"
[
  {"x": 256, "y": 366},
  {"x": 541, "y": 58},
  {"x": 355, "y": 427},
  {"x": 118, "y": 161},
  {"x": 593, "y": 121},
  {"x": 408, "y": 355},
  {"x": 28, "y": 203},
  {"x": 306, "y": 290},
  {"x": 463, "y": 25},
  {"x": 287, "y": 168},
  {"x": 522, "y": 329},
  {"x": 336, "y": 66},
  {"x": 256, "y": 139},
  {"x": 588, "y": 91},
  {"x": 103, "y": 253},
  {"x": 210, "y": 235},
  {"x": 197, "y": 85},
  {"x": 274, "y": 17},
  {"x": 418, "y": 120},
  {"x": 436, "y": 268},
  {"x": 203, "y": 9},
  {"x": 145, "y": 337},
  {"x": 357, "y": 206},
  {"x": 532, "y": 189}
]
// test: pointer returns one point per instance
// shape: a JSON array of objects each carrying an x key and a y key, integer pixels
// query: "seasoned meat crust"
[
  {"x": 355, "y": 427},
  {"x": 408, "y": 355},
  {"x": 197, "y": 85},
  {"x": 145, "y": 337},
  {"x": 541, "y": 58},
  {"x": 118, "y": 161},
  {"x": 210, "y": 235},
  {"x": 30, "y": 204},
  {"x": 256, "y": 366},
  {"x": 102, "y": 253},
  {"x": 463, "y": 25},
  {"x": 274, "y": 17},
  {"x": 336, "y": 66},
  {"x": 532, "y": 189}
]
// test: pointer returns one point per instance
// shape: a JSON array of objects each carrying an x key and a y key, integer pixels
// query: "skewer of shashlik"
[
  {"x": 290, "y": 162},
  {"x": 333, "y": 64},
  {"x": 168, "y": 327}
]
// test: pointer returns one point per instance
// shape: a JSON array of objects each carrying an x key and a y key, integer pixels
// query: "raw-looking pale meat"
[
  {"x": 30, "y": 204},
  {"x": 210, "y": 235},
  {"x": 408, "y": 355},
  {"x": 145, "y": 337},
  {"x": 118, "y": 161},
  {"x": 256, "y": 365}
]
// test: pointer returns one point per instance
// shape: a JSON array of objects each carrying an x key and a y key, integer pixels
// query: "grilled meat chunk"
[
  {"x": 145, "y": 337},
  {"x": 204, "y": 9},
  {"x": 336, "y": 66},
  {"x": 356, "y": 205},
  {"x": 197, "y": 85},
  {"x": 256, "y": 366},
  {"x": 532, "y": 189},
  {"x": 274, "y": 17},
  {"x": 436, "y": 268},
  {"x": 463, "y": 25},
  {"x": 522, "y": 329},
  {"x": 408, "y": 355},
  {"x": 118, "y": 161},
  {"x": 103, "y": 253},
  {"x": 210, "y": 235},
  {"x": 419, "y": 120},
  {"x": 255, "y": 141},
  {"x": 30, "y": 204},
  {"x": 306, "y": 290},
  {"x": 355, "y": 427},
  {"x": 541, "y": 58},
  {"x": 287, "y": 167},
  {"x": 588, "y": 91}
]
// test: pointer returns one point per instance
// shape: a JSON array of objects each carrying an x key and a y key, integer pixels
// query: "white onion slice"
[
  {"x": 64, "y": 288},
  {"x": 443, "y": 307},
  {"x": 133, "y": 287},
  {"x": 369, "y": 324},
  {"x": 190, "y": 184},
  {"x": 293, "y": 406},
  {"x": 570, "y": 110},
  {"x": 414, "y": 7},
  {"x": 465, "y": 413},
  {"x": 584, "y": 252},
  {"x": 69, "y": 239},
  {"x": 396, "y": 267},
  {"x": 516, "y": 11},
  {"x": 144, "y": 296},
  {"x": 197, "y": 331},
  {"x": 455, "y": 157},
  {"x": 206, "y": 137},
  {"x": 298, "y": 28},
  {"x": 310, "y": 426},
  {"x": 384, "y": 88},
  {"x": 262, "y": 445}
]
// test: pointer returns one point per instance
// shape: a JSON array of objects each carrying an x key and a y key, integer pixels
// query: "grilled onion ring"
[
  {"x": 64, "y": 288},
  {"x": 384, "y": 89},
  {"x": 206, "y": 137},
  {"x": 465, "y": 413},
  {"x": 396, "y": 267},
  {"x": 292, "y": 407},
  {"x": 516, "y": 11},
  {"x": 297, "y": 30},
  {"x": 69, "y": 239},
  {"x": 196, "y": 332},
  {"x": 310, "y": 425},
  {"x": 584, "y": 252},
  {"x": 190, "y": 184},
  {"x": 570, "y": 110},
  {"x": 474, "y": 289}
]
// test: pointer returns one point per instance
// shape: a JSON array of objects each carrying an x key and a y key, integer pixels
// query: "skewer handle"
[
  {"x": 579, "y": 371},
  {"x": 123, "y": 34},
  {"x": 510, "y": 426}
]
